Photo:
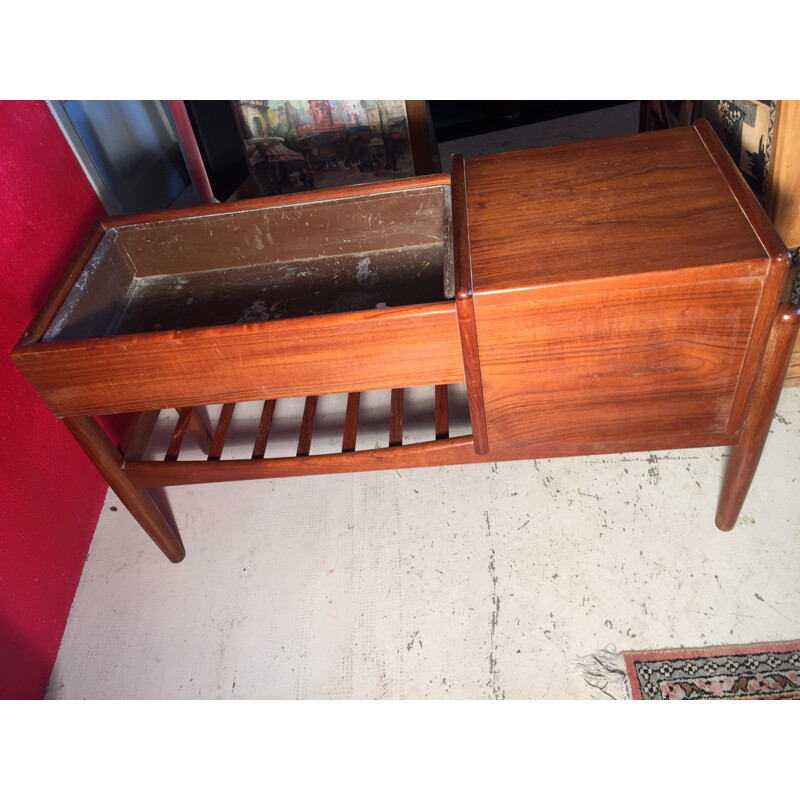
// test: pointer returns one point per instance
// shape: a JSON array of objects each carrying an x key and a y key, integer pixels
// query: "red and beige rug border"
[
  {"x": 687, "y": 654},
  {"x": 761, "y": 670}
]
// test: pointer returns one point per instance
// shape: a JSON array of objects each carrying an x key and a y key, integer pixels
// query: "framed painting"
[{"x": 302, "y": 145}]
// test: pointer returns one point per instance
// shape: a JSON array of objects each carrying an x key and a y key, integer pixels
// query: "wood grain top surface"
[{"x": 640, "y": 203}]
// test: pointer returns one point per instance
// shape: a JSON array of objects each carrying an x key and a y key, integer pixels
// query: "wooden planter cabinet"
[{"x": 608, "y": 296}]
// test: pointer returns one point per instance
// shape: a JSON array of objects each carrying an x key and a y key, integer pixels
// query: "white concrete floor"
[{"x": 486, "y": 581}]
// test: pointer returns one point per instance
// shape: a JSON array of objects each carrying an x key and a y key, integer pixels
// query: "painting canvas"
[{"x": 302, "y": 145}]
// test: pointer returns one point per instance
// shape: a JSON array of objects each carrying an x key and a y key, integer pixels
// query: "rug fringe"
[{"x": 605, "y": 675}]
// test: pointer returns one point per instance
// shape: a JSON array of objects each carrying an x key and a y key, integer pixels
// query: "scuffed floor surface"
[{"x": 472, "y": 582}]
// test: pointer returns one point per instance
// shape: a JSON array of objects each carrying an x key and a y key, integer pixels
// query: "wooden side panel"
[
  {"x": 607, "y": 362},
  {"x": 380, "y": 349},
  {"x": 778, "y": 267}
]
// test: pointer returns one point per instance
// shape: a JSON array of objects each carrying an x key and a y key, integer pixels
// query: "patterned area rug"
[{"x": 747, "y": 672}]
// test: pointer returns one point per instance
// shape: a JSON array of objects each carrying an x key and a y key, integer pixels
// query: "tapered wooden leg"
[
  {"x": 746, "y": 454},
  {"x": 108, "y": 460}
]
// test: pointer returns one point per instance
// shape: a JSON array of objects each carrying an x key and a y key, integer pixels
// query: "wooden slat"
[
  {"x": 221, "y": 432},
  {"x": 307, "y": 426},
  {"x": 137, "y": 435},
  {"x": 396, "y": 419},
  {"x": 264, "y": 424},
  {"x": 442, "y": 413},
  {"x": 178, "y": 435},
  {"x": 199, "y": 431},
  {"x": 351, "y": 422}
]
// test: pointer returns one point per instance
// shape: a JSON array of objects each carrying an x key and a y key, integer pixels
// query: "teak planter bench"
[{"x": 609, "y": 296}]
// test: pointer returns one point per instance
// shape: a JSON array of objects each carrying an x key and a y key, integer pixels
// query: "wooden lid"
[{"x": 631, "y": 204}]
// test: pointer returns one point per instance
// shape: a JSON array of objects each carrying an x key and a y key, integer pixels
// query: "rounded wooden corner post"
[
  {"x": 770, "y": 349},
  {"x": 108, "y": 460},
  {"x": 746, "y": 454},
  {"x": 465, "y": 307}
]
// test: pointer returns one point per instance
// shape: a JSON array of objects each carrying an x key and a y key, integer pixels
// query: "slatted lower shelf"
[{"x": 393, "y": 452}]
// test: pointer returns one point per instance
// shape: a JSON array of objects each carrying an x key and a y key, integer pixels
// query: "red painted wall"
[{"x": 50, "y": 495}]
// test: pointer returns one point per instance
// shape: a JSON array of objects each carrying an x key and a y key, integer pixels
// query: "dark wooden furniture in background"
[
  {"x": 423, "y": 145},
  {"x": 783, "y": 181},
  {"x": 599, "y": 297}
]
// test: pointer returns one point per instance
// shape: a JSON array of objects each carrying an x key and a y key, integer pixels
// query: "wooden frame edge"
[
  {"x": 779, "y": 260},
  {"x": 465, "y": 307},
  {"x": 41, "y": 322}
]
